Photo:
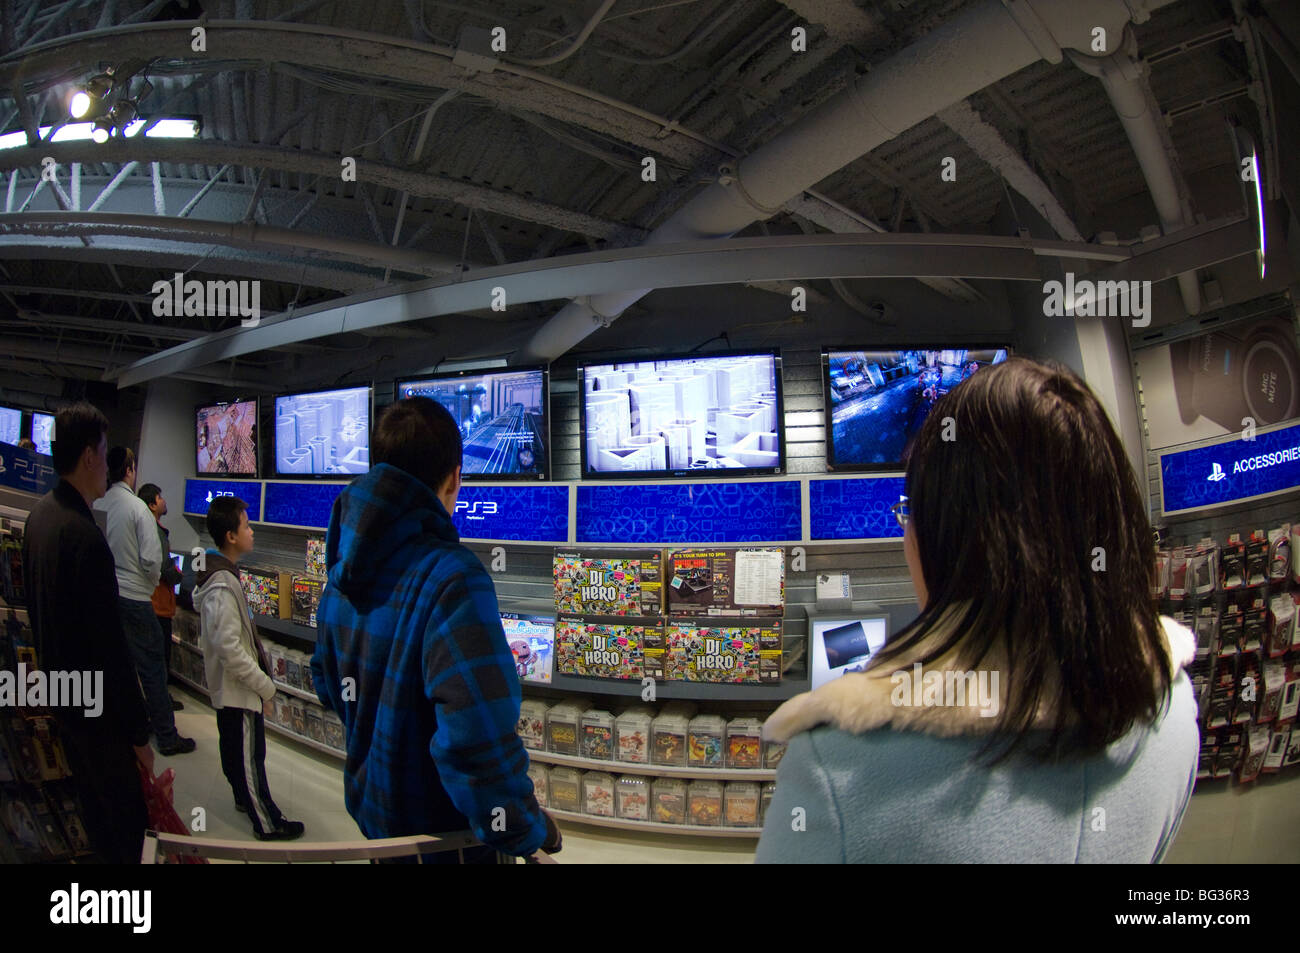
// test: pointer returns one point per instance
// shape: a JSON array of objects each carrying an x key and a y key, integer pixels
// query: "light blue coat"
[{"x": 886, "y": 795}]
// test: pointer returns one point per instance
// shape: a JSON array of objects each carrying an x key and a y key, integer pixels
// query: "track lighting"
[
  {"x": 103, "y": 129},
  {"x": 123, "y": 112},
  {"x": 90, "y": 98}
]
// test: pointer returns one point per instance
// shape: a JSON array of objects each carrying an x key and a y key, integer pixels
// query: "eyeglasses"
[{"x": 902, "y": 510}]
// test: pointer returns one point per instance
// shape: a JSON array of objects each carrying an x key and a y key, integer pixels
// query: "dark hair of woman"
[{"x": 1019, "y": 488}]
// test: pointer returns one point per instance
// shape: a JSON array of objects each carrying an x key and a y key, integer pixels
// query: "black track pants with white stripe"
[{"x": 243, "y": 761}]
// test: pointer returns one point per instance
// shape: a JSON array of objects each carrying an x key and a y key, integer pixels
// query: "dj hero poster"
[
  {"x": 600, "y": 650},
  {"x": 726, "y": 653},
  {"x": 611, "y": 584}
]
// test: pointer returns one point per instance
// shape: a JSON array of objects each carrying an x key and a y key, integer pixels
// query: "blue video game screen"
[
  {"x": 502, "y": 417},
  {"x": 682, "y": 416},
  {"x": 43, "y": 432},
  {"x": 877, "y": 400},
  {"x": 325, "y": 433},
  {"x": 11, "y": 425}
]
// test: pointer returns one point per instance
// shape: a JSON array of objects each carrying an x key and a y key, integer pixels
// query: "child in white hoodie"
[{"x": 236, "y": 670}]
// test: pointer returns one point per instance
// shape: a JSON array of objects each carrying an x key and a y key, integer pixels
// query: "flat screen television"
[
  {"x": 323, "y": 433},
  {"x": 504, "y": 424},
  {"x": 43, "y": 432},
  {"x": 225, "y": 438},
  {"x": 11, "y": 425},
  {"x": 843, "y": 643},
  {"x": 876, "y": 400},
  {"x": 685, "y": 416},
  {"x": 531, "y": 637}
]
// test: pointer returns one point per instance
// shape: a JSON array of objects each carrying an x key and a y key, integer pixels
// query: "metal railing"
[{"x": 158, "y": 846}]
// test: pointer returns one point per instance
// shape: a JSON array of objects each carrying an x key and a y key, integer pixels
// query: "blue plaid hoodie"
[{"x": 411, "y": 615}]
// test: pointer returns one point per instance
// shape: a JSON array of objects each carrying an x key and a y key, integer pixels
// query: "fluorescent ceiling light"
[
  {"x": 1259, "y": 203},
  {"x": 74, "y": 131}
]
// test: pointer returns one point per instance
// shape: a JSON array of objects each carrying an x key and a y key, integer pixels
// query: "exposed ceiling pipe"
[
  {"x": 977, "y": 47},
  {"x": 573, "y": 47},
  {"x": 1124, "y": 78}
]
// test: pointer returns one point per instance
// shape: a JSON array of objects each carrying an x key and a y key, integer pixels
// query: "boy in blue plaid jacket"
[{"x": 411, "y": 655}]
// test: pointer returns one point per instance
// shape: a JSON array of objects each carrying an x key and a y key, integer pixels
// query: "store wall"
[{"x": 166, "y": 450}]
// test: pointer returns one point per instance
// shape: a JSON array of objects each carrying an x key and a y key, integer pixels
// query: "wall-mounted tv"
[
  {"x": 876, "y": 400},
  {"x": 43, "y": 432},
  {"x": 323, "y": 433},
  {"x": 683, "y": 416},
  {"x": 504, "y": 424},
  {"x": 842, "y": 644},
  {"x": 11, "y": 425},
  {"x": 225, "y": 436}
]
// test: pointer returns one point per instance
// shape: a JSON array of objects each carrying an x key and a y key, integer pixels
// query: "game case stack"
[{"x": 1240, "y": 601}]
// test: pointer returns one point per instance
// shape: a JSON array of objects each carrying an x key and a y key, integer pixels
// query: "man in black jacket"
[{"x": 72, "y": 603}]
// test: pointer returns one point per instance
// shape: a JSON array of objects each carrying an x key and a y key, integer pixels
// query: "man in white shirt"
[{"x": 137, "y": 555}]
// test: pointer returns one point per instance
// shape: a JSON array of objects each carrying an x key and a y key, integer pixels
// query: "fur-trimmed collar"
[{"x": 937, "y": 701}]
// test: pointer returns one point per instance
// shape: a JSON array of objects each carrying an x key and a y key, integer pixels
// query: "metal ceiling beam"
[
  {"x": 237, "y": 234},
  {"x": 987, "y": 143},
  {"x": 282, "y": 159},
  {"x": 721, "y": 261},
  {"x": 365, "y": 56}
]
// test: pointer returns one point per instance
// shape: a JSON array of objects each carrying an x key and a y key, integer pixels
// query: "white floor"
[{"x": 1258, "y": 824}]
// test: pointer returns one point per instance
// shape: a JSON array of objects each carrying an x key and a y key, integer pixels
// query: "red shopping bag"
[{"x": 162, "y": 811}]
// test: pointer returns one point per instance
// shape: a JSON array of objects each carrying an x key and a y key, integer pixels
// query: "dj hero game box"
[
  {"x": 602, "y": 649},
  {"x": 725, "y": 651},
  {"x": 609, "y": 583}
]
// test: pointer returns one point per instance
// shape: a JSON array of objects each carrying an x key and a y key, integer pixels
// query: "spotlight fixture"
[
  {"x": 103, "y": 129},
  {"x": 123, "y": 112},
  {"x": 90, "y": 97}
]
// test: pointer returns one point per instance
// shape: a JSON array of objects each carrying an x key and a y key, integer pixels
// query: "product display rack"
[
  {"x": 270, "y": 725},
  {"x": 673, "y": 690},
  {"x": 626, "y": 825},
  {"x": 654, "y": 770}
]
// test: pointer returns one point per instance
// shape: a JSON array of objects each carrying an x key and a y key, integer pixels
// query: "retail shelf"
[
  {"x": 654, "y": 770},
  {"x": 286, "y": 627},
  {"x": 188, "y": 645},
  {"x": 625, "y": 825},
  {"x": 693, "y": 691},
  {"x": 194, "y": 685},
  {"x": 309, "y": 742},
  {"x": 290, "y": 690}
]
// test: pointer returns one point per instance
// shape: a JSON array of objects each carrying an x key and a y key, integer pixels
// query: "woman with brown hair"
[{"x": 1036, "y": 710}]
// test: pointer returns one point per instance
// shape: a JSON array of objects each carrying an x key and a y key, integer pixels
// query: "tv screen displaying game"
[
  {"x": 43, "y": 432},
  {"x": 503, "y": 420},
  {"x": 11, "y": 425},
  {"x": 876, "y": 401},
  {"x": 532, "y": 641},
  {"x": 839, "y": 645},
  {"x": 323, "y": 433},
  {"x": 225, "y": 436},
  {"x": 682, "y": 416}
]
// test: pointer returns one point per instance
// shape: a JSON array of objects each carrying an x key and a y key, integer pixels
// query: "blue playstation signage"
[
  {"x": 751, "y": 512},
  {"x": 1230, "y": 471},
  {"x": 518, "y": 512},
  {"x": 855, "y": 508},
  {"x": 301, "y": 504},
  {"x": 200, "y": 493},
  {"x": 26, "y": 469}
]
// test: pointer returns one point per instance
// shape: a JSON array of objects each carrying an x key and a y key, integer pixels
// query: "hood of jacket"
[
  {"x": 213, "y": 562},
  {"x": 941, "y": 698},
  {"x": 376, "y": 516}
]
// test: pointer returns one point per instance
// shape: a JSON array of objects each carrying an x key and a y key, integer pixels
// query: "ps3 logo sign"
[
  {"x": 1217, "y": 474},
  {"x": 211, "y": 494},
  {"x": 471, "y": 510}
]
